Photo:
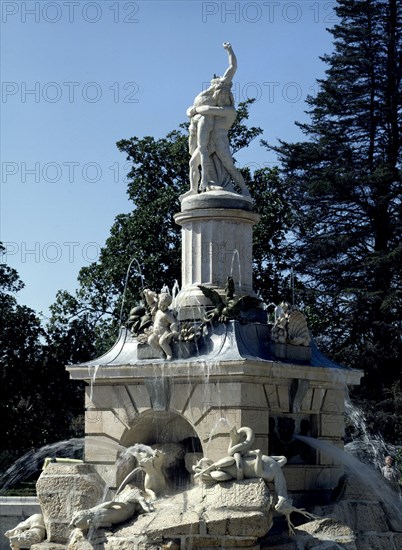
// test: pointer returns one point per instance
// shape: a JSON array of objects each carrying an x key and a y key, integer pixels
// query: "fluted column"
[{"x": 217, "y": 242}]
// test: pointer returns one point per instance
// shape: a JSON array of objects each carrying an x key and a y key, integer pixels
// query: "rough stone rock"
[
  {"x": 48, "y": 546},
  {"x": 350, "y": 487},
  {"x": 375, "y": 541},
  {"x": 358, "y": 515},
  {"x": 328, "y": 530},
  {"x": 320, "y": 534},
  {"x": 383, "y": 501},
  {"x": 63, "y": 489},
  {"x": 207, "y": 543},
  {"x": 233, "y": 514},
  {"x": 78, "y": 540}
]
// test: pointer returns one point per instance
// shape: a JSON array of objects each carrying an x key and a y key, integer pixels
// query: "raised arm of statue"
[
  {"x": 230, "y": 71},
  {"x": 211, "y": 117}
]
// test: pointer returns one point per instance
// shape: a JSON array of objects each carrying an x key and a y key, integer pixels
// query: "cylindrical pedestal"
[{"x": 217, "y": 241}]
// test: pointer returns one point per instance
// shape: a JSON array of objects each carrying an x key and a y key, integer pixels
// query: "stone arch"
[
  {"x": 158, "y": 427},
  {"x": 166, "y": 430}
]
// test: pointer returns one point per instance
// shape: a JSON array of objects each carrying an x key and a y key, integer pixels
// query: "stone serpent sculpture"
[{"x": 243, "y": 462}]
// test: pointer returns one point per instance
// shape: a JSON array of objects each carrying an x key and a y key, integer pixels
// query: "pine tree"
[{"x": 346, "y": 188}]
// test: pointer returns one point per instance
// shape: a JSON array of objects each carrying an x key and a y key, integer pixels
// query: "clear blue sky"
[{"x": 77, "y": 76}]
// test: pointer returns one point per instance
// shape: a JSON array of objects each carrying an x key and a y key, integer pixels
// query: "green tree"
[
  {"x": 345, "y": 185},
  {"x": 20, "y": 345},
  {"x": 271, "y": 258},
  {"x": 38, "y": 403}
]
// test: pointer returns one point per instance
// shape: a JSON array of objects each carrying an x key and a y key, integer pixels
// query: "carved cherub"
[{"x": 165, "y": 325}]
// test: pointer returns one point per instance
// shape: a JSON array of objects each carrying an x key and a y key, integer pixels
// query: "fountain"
[{"x": 204, "y": 392}]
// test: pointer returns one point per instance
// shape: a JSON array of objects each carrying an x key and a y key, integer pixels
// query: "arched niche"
[
  {"x": 163, "y": 429},
  {"x": 151, "y": 427}
]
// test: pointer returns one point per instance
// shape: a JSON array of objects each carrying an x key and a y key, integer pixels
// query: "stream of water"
[
  {"x": 369, "y": 477},
  {"x": 367, "y": 447},
  {"x": 32, "y": 461}
]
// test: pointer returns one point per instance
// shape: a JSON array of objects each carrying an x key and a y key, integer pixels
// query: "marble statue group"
[{"x": 211, "y": 117}]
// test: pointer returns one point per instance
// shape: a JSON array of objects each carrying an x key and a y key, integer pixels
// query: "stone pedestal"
[
  {"x": 290, "y": 352},
  {"x": 217, "y": 242},
  {"x": 63, "y": 489}
]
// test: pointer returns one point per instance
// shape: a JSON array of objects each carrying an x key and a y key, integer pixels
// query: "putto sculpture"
[
  {"x": 165, "y": 326},
  {"x": 211, "y": 117}
]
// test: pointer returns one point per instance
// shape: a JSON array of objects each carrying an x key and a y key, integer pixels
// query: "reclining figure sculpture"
[
  {"x": 129, "y": 501},
  {"x": 28, "y": 532},
  {"x": 129, "y": 498}
]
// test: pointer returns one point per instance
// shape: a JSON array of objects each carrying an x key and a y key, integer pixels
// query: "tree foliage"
[
  {"x": 345, "y": 184},
  {"x": 38, "y": 404}
]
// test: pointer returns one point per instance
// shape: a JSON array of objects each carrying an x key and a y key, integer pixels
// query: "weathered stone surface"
[
  {"x": 135, "y": 544},
  {"x": 358, "y": 515},
  {"x": 62, "y": 490},
  {"x": 247, "y": 502},
  {"x": 247, "y": 495},
  {"x": 375, "y": 541},
  {"x": 350, "y": 487},
  {"x": 48, "y": 546},
  {"x": 328, "y": 530},
  {"x": 233, "y": 510},
  {"x": 313, "y": 536},
  {"x": 78, "y": 541},
  {"x": 206, "y": 543},
  {"x": 239, "y": 524}
]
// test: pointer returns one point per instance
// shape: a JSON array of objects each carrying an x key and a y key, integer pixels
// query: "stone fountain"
[{"x": 205, "y": 394}]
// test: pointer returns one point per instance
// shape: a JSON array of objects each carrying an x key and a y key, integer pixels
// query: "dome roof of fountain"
[
  {"x": 228, "y": 349},
  {"x": 232, "y": 341}
]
